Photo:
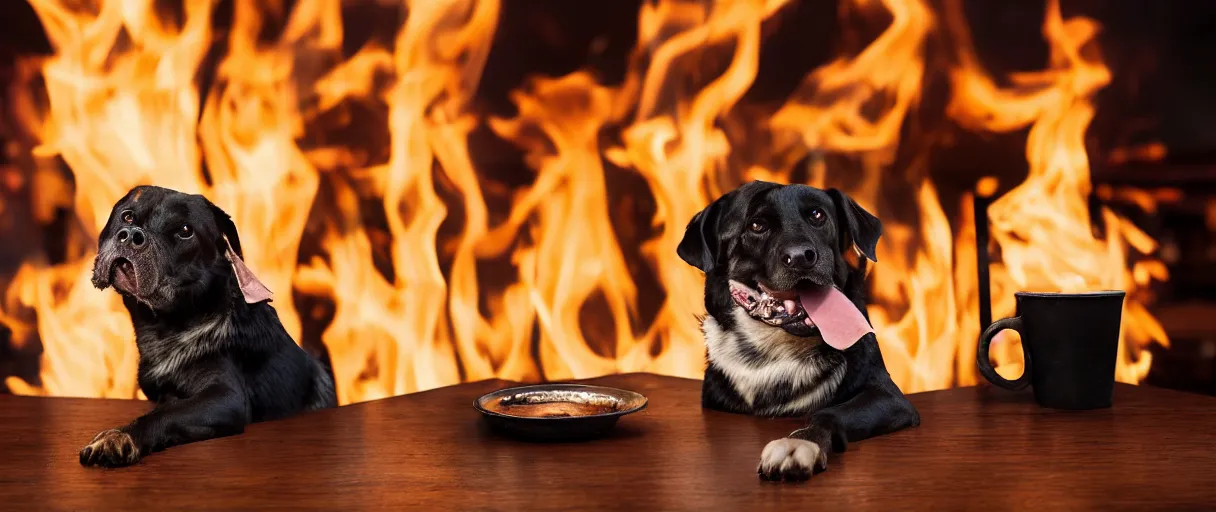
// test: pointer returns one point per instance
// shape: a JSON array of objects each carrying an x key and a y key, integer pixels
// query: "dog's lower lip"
[{"x": 801, "y": 324}]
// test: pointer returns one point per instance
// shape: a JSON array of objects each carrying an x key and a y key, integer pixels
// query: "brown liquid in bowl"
[
  {"x": 554, "y": 409},
  {"x": 554, "y": 404}
]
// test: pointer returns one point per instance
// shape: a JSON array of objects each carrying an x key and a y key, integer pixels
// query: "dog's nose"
[
  {"x": 799, "y": 256},
  {"x": 132, "y": 235}
]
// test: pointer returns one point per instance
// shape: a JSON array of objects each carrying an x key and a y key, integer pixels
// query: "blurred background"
[{"x": 442, "y": 191}]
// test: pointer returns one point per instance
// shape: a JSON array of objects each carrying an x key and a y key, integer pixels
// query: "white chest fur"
[
  {"x": 166, "y": 355},
  {"x": 785, "y": 365}
]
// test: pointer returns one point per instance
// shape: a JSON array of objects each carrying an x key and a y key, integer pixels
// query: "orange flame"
[
  {"x": 1043, "y": 225},
  {"x": 454, "y": 287}
]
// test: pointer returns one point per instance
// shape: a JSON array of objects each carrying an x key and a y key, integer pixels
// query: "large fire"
[{"x": 434, "y": 275}]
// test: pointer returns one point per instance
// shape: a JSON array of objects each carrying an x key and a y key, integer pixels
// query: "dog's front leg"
[
  {"x": 218, "y": 410},
  {"x": 879, "y": 408}
]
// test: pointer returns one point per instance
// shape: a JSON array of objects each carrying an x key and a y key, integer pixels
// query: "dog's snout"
[
  {"x": 132, "y": 236},
  {"x": 799, "y": 256}
]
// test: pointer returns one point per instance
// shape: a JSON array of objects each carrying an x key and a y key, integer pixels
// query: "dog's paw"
[
  {"x": 791, "y": 460},
  {"x": 110, "y": 448}
]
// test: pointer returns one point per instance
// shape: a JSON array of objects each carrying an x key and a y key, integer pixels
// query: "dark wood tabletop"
[{"x": 976, "y": 448}]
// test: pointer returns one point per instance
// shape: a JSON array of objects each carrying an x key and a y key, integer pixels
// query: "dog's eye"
[
  {"x": 185, "y": 232},
  {"x": 817, "y": 216},
  {"x": 127, "y": 216},
  {"x": 758, "y": 227}
]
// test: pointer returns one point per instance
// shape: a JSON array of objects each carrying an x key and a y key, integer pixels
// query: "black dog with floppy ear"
[
  {"x": 213, "y": 356},
  {"x": 765, "y": 241}
]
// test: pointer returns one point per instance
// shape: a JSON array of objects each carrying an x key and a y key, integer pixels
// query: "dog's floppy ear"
[
  {"x": 699, "y": 247},
  {"x": 251, "y": 287},
  {"x": 861, "y": 227},
  {"x": 227, "y": 228}
]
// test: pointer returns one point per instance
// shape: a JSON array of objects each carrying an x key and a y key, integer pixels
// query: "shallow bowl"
[{"x": 557, "y": 412}]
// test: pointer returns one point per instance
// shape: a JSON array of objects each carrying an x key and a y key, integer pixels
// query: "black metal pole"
[{"x": 981, "y": 259}]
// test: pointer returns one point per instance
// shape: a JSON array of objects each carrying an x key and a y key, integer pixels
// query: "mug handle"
[{"x": 981, "y": 355}]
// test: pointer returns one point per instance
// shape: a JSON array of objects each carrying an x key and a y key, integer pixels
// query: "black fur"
[
  {"x": 824, "y": 226},
  {"x": 210, "y": 362}
]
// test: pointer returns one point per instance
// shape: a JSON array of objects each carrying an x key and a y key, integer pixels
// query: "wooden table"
[{"x": 976, "y": 448}]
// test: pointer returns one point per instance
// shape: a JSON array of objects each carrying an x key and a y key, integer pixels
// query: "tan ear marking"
[
  {"x": 855, "y": 259},
  {"x": 852, "y": 256}
]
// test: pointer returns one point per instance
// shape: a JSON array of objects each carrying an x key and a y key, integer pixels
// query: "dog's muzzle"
[{"x": 113, "y": 267}]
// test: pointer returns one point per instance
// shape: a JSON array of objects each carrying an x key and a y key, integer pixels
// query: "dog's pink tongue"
[{"x": 840, "y": 322}]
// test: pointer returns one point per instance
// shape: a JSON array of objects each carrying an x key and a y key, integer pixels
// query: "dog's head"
[
  {"x": 764, "y": 245},
  {"x": 165, "y": 249}
]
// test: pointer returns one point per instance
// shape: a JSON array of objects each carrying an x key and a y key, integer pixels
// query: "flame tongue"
[{"x": 840, "y": 322}]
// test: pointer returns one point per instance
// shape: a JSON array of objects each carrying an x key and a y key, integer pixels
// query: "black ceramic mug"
[{"x": 1071, "y": 345}]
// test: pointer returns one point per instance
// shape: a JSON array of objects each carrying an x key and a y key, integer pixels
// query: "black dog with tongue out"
[
  {"x": 213, "y": 355},
  {"x": 787, "y": 332}
]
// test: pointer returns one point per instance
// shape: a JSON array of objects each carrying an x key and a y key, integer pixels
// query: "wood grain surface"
[{"x": 977, "y": 448}]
